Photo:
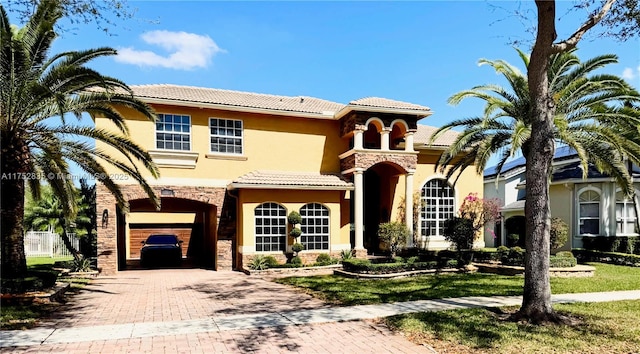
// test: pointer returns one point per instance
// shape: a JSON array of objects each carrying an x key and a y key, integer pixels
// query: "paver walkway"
[{"x": 251, "y": 315}]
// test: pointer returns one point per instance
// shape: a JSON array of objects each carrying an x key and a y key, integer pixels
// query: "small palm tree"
[
  {"x": 47, "y": 213},
  {"x": 590, "y": 118},
  {"x": 38, "y": 91}
]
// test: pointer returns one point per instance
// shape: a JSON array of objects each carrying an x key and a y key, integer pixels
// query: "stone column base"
[{"x": 360, "y": 252}]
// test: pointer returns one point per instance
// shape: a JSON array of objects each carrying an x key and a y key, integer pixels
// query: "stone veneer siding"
[
  {"x": 107, "y": 233},
  {"x": 365, "y": 160}
]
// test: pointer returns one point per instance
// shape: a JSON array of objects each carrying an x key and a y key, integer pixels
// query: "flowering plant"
[{"x": 480, "y": 211}]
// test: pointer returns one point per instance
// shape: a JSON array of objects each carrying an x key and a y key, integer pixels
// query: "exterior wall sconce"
[
  {"x": 167, "y": 192},
  {"x": 105, "y": 218}
]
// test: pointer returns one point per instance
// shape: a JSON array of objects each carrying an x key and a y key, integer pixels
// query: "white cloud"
[
  {"x": 186, "y": 51},
  {"x": 629, "y": 74}
]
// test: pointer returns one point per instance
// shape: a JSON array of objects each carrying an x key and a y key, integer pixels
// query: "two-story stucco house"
[
  {"x": 234, "y": 164},
  {"x": 591, "y": 206}
]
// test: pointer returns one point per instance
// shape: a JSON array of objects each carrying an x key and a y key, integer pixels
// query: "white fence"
[{"x": 48, "y": 244}]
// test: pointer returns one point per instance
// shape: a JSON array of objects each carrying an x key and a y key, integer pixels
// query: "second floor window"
[
  {"x": 173, "y": 132},
  {"x": 226, "y": 136}
]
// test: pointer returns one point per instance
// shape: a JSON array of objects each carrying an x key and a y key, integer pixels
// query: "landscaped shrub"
[
  {"x": 325, "y": 259},
  {"x": 296, "y": 260},
  {"x": 271, "y": 261},
  {"x": 258, "y": 263},
  {"x": 513, "y": 240},
  {"x": 559, "y": 233},
  {"x": 562, "y": 262},
  {"x": 460, "y": 232},
  {"x": 81, "y": 264},
  {"x": 412, "y": 260},
  {"x": 366, "y": 266},
  {"x": 346, "y": 254},
  {"x": 485, "y": 255},
  {"x": 394, "y": 234},
  {"x": 608, "y": 257},
  {"x": 295, "y": 232},
  {"x": 620, "y": 244},
  {"x": 565, "y": 254},
  {"x": 514, "y": 256}
]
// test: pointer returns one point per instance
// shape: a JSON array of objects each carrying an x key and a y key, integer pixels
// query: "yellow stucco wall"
[
  {"x": 292, "y": 200},
  {"x": 270, "y": 143}
]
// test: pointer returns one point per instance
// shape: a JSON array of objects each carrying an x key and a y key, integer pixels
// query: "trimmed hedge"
[
  {"x": 608, "y": 257},
  {"x": 562, "y": 262},
  {"x": 366, "y": 266},
  {"x": 619, "y": 244}
]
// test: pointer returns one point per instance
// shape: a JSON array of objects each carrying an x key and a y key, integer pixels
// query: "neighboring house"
[
  {"x": 235, "y": 164},
  {"x": 594, "y": 206}
]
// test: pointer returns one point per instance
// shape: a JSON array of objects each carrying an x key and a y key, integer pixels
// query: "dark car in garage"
[{"x": 161, "y": 250}]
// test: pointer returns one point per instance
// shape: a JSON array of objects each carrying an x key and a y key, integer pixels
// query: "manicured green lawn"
[
  {"x": 346, "y": 291},
  {"x": 33, "y": 261},
  {"x": 612, "y": 327}
]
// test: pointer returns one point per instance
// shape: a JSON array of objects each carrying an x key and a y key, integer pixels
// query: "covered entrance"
[
  {"x": 380, "y": 192},
  {"x": 194, "y": 223}
]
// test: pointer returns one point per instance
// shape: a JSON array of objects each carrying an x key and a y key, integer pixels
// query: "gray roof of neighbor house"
[
  {"x": 291, "y": 180},
  {"x": 562, "y": 153}
]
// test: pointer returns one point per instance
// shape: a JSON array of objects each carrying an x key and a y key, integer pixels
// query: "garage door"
[{"x": 137, "y": 235}]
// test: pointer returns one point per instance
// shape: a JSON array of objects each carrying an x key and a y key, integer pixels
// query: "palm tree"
[
  {"x": 590, "y": 118},
  {"x": 38, "y": 91},
  {"x": 47, "y": 213}
]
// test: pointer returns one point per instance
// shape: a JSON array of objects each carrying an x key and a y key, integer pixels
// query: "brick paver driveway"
[{"x": 188, "y": 294}]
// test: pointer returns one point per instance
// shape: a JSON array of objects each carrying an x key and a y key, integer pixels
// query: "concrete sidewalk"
[{"x": 266, "y": 320}]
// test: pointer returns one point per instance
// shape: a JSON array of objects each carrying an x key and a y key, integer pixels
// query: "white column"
[
  {"x": 408, "y": 197},
  {"x": 384, "y": 139},
  {"x": 358, "y": 213},
  {"x": 358, "y": 139},
  {"x": 408, "y": 141}
]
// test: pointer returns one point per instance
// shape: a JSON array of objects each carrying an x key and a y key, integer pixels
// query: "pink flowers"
[{"x": 480, "y": 211}]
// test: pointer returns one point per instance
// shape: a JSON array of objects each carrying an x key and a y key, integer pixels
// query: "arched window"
[
  {"x": 315, "y": 227},
  {"x": 589, "y": 212},
  {"x": 271, "y": 227},
  {"x": 625, "y": 215},
  {"x": 438, "y": 205}
]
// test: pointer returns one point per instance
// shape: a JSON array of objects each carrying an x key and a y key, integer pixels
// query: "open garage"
[{"x": 193, "y": 222}]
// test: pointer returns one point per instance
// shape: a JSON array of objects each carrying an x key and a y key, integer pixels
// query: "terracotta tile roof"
[
  {"x": 387, "y": 103},
  {"x": 301, "y": 104},
  {"x": 425, "y": 132},
  {"x": 292, "y": 180}
]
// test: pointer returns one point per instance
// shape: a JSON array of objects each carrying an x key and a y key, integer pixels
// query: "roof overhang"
[
  {"x": 233, "y": 186},
  {"x": 329, "y": 115},
  {"x": 358, "y": 108}
]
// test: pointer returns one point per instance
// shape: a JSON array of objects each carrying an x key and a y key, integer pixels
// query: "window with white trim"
[
  {"x": 625, "y": 214},
  {"x": 589, "y": 213},
  {"x": 315, "y": 226},
  {"x": 173, "y": 132},
  {"x": 271, "y": 227},
  {"x": 438, "y": 205},
  {"x": 226, "y": 136}
]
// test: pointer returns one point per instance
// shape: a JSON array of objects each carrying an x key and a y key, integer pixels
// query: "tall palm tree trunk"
[
  {"x": 536, "y": 302},
  {"x": 14, "y": 262}
]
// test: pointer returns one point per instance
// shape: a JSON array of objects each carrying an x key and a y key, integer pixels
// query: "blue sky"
[{"x": 415, "y": 51}]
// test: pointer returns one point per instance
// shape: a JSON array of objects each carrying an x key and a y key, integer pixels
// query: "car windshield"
[{"x": 162, "y": 239}]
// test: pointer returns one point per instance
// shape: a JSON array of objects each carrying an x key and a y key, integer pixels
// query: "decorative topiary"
[
  {"x": 297, "y": 247},
  {"x": 294, "y": 218},
  {"x": 296, "y": 260},
  {"x": 295, "y": 232}
]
